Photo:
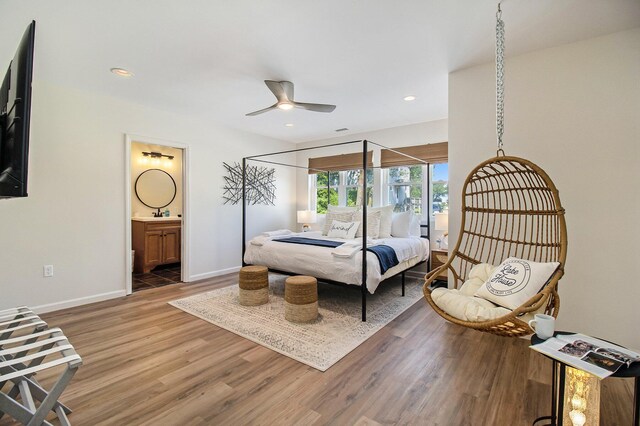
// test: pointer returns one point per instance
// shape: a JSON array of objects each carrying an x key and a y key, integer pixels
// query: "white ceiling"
[{"x": 208, "y": 58}]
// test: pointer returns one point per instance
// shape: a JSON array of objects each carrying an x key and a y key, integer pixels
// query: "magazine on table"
[{"x": 586, "y": 353}]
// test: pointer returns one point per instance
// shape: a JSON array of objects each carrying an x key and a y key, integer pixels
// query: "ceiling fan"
[{"x": 283, "y": 90}]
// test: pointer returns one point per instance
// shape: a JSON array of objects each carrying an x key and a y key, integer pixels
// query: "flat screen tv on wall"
[{"x": 15, "y": 118}]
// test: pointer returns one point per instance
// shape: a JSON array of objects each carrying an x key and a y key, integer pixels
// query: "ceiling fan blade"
[
  {"x": 315, "y": 107},
  {"x": 261, "y": 111},
  {"x": 283, "y": 90}
]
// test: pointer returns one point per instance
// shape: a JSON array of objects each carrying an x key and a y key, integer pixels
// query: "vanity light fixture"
[
  {"x": 121, "y": 72},
  {"x": 158, "y": 155}
]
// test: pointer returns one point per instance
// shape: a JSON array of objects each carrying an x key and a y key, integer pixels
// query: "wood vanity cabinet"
[{"x": 156, "y": 243}]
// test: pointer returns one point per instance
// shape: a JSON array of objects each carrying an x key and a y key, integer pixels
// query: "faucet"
[{"x": 158, "y": 214}]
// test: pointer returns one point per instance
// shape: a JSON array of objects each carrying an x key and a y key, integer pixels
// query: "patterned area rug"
[{"x": 338, "y": 330}]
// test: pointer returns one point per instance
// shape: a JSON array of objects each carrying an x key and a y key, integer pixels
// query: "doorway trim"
[{"x": 186, "y": 211}]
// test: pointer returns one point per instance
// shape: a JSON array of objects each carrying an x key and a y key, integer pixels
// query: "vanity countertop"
[{"x": 155, "y": 219}]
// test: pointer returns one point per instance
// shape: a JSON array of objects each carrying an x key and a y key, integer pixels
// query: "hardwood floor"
[{"x": 146, "y": 362}]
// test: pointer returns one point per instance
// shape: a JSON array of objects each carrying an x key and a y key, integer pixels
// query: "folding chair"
[{"x": 22, "y": 357}]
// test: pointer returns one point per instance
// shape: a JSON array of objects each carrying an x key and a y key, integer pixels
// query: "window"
[
  {"x": 440, "y": 187},
  {"x": 411, "y": 178},
  {"x": 405, "y": 188},
  {"x": 345, "y": 189},
  {"x": 354, "y": 187},
  {"x": 322, "y": 182}
]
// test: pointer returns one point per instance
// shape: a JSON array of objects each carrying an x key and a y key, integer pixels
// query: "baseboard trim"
[
  {"x": 214, "y": 273},
  {"x": 56, "y": 306}
]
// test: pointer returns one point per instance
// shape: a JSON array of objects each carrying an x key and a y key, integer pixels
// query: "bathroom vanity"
[{"x": 156, "y": 241}]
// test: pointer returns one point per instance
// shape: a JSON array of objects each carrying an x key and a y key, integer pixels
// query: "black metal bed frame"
[{"x": 365, "y": 147}]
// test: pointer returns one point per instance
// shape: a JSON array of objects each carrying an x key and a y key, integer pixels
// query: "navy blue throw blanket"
[
  {"x": 385, "y": 254},
  {"x": 310, "y": 242}
]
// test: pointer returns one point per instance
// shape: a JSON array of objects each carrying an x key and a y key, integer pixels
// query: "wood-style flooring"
[{"x": 146, "y": 362}]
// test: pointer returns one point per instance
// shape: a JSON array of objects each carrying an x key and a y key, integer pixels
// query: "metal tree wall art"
[{"x": 260, "y": 184}]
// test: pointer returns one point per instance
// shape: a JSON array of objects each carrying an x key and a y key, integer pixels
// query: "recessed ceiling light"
[
  {"x": 289, "y": 124},
  {"x": 410, "y": 98},
  {"x": 121, "y": 72}
]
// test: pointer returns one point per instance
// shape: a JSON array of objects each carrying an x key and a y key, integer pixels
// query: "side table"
[
  {"x": 438, "y": 258},
  {"x": 558, "y": 381}
]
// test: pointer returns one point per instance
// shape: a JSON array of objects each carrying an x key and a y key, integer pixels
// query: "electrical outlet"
[{"x": 48, "y": 270}]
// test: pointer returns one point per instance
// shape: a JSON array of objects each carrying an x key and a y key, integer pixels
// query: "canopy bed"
[{"x": 361, "y": 261}]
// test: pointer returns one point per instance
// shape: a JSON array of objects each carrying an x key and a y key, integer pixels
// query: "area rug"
[{"x": 337, "y": 331}]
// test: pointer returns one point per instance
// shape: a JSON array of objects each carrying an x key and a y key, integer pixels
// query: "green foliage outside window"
[
  {"x": 321, "y": 205},
  {"x": 440, "y": 196}
]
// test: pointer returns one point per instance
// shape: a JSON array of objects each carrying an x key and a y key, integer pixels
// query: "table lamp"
[
  {"x": 442, "y": 224},
  {"x": 306, "y": 217}
]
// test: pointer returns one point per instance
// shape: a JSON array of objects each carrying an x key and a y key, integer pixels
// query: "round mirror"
[{"x": 155, "y": 188}]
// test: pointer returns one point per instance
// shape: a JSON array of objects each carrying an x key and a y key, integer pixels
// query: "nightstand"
[{"x": 438, "y": 258}]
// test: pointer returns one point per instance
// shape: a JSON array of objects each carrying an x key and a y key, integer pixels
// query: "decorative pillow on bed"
[
  {"x": 401, "y": 224},
  {"x": 414, "y": 229},
  {"x": 515, "y": 281},
  {"x": 331, "y": 216},
  {"x": 344, "y": 230},
  {"x": 385, "y": 220},
  {"x": 373, "y": 224},
  {"x": 342, "y": 209}
]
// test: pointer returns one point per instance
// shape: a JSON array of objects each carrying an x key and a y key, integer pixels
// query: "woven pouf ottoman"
[
  {"x": 301, "y": 299},
  {"x": 254, "y": 285}
]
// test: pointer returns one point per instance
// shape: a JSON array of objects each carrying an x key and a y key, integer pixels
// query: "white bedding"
[{"x": 319, "y": 262}]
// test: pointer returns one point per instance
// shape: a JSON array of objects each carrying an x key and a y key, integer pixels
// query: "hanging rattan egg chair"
[{"x": 510, "y": 207}]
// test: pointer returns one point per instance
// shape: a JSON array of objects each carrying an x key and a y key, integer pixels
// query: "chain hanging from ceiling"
[{"x": 499, "y": 78}]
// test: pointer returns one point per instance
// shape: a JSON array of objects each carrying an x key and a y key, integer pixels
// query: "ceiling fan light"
[{"x": 285, "y": 106}]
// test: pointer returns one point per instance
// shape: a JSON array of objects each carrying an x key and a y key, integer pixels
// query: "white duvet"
[{"x": 321, "y": 262}]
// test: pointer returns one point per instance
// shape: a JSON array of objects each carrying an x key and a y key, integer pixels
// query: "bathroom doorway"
[{"x": 157, "y": 210}]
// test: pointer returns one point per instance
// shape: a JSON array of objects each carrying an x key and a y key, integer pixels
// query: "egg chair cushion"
[
  {"x": 478, "y": 275},
  {"x": 466, "y": 308}
]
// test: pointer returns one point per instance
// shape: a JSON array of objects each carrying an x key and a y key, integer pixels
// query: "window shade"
[
  {"x": 431, "y": 153},
  {"x": 337, "y": 163}
]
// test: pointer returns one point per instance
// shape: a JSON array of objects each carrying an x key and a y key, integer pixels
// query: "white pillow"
[
  {"x": 373, "y": 224},
  {"x": 385, "y": 220},
  {"x": 331, "y": 216},
  {"x": 342, "y": 209},
  {"x": 515, "y": 281},
  {"x": 401, "y": 224},
  {"x": 478, "y": 275},
  {"x": 346, "y": 230},
  {"x": 414, "y": 230},
  {"x": 319, "y": 225}
]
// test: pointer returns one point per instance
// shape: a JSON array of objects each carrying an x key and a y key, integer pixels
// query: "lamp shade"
[
  {"x": 307, "y": 216},
  {"x": 442, "y": 221}
]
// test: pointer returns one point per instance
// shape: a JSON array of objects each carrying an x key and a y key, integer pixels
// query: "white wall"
[
  {"x": 140, "y": 164},
  {"x": 74, "y": 215},
  {"x": 575, "y": 111}
]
